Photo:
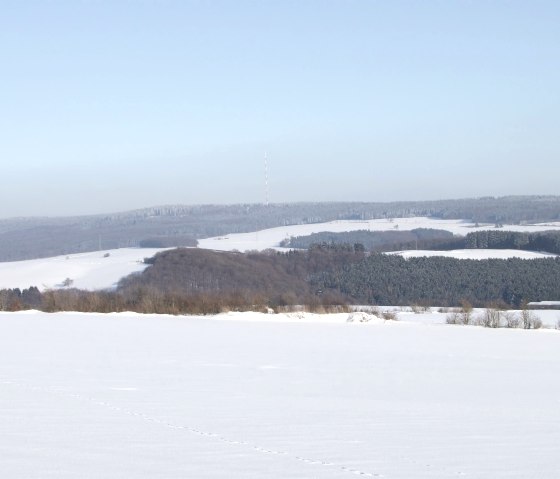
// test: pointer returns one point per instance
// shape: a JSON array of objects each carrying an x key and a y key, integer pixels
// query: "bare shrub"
[
  {"x": 285, "y": 308},
  {"x": 453, "y": 317},
  {"x": 416, "y": 309},
  {"x": 529, "y": 320},
  {"x": 338, "y": 308},
  {"x": 512, "y": 320},
  {"x": 371, "y": 310},
  {"x": 537, "y": 323},
  {"x": 466, "y": 312},
  {"x": 389, "y": 315},
  {"x": 320, "y": 308},
  {"x": 359, "y": 317},
  {"x": 490, "y": 318},
  {"x": 462, "y": 315},
  {"x": 420, "y": 307}
]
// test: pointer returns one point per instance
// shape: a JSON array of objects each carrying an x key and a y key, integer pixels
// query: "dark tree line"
[
  {"x": 200, "y": 282},
  {"x": 378, "y": 241},
  {"x": 394, "y": 280},
  {"x": 548, "y": 241},
  {"x": 432, "y": 239},
  {"x": 16, "y": 299}
]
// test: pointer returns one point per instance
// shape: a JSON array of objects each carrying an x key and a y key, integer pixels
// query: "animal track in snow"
[{"x": 192, "y": 430}]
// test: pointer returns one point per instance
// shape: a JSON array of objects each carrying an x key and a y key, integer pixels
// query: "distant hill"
[{"x": 164, "y": 226}]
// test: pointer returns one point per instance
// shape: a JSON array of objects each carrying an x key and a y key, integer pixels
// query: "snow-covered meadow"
[
  {"x": 476, "y": 254},
  {"x": 91, "y": 271},
  {"x": 276, "y": 396},
  {"x": 271, "y": 238}
]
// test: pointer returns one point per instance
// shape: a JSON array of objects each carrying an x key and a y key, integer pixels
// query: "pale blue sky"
[{"x": 108, "y": 106}]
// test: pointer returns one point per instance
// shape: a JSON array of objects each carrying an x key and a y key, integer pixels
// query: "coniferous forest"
[{"x": 432, "y": 239}]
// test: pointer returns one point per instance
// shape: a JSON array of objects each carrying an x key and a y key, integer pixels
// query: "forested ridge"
[
  {"x": 182, "y": 225},
  {"x": 201, "y": 281}
]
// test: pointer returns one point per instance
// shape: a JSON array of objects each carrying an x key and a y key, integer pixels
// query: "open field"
[
  {"x": 476, "y": 254},
  {"x": 252, "y": 396},
  {"x": 90, "y": 271}
]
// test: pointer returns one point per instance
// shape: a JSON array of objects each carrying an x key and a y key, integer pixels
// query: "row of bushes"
[
  {"x": 494, "y": 317},
  {"x": 154, "y": 301}
]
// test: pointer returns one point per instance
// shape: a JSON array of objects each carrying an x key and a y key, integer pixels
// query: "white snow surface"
[
  {"x": 271, "y": 238},
  {"x": 476, "y": 254},
  {"x": 89, "y": 271},
  {"x": 273, "y": 396},
  {"x": 544, "y": 303}
]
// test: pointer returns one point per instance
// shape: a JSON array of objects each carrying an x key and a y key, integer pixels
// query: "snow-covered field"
[
  {"x": 89, "y": 271},
  {"x": 476, "y": 254},
  {"x": 269, "y": 396},
  {"x": 246, "y": 395},
  {"x": 271, "y": 238}
]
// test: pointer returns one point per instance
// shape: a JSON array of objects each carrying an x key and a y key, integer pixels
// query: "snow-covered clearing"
[
  {"x": 476, "y": 254},
  {"x": 271, "y": 238},
  {"x": 91, "y": 271},
  {"x": 253, "y": 396}
]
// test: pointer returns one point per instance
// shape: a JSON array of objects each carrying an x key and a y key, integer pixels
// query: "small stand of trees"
[{"x": 495, "y": 316}]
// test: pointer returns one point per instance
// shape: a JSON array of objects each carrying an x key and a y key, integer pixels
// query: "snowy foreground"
[{"x": 274, "y": 396}]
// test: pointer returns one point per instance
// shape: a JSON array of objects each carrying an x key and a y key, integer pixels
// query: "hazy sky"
[{"x": 108, "y": 106}]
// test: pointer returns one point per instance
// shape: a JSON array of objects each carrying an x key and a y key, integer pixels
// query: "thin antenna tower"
[{"x": 266, "y": 179}]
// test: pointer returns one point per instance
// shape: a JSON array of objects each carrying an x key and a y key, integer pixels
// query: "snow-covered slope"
[
  {"x": 91, "y": 271},
  {"x": 128, "y": 396},
  {"x": 271, "y": 238}
]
